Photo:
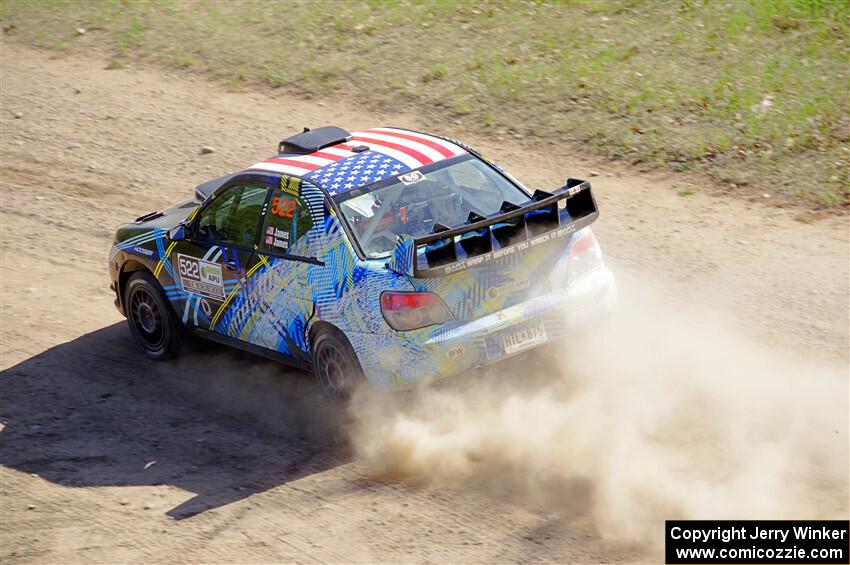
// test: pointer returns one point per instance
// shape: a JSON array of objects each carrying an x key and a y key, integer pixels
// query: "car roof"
[{"x": 368, "y": 156}]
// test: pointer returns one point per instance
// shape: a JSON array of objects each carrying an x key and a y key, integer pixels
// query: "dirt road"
[{"x": 219, "y": 457}]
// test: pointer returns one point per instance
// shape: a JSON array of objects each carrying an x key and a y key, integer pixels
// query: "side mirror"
[{"x": 177, "y": 233}]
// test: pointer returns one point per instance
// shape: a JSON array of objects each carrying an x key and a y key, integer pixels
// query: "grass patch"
[
  {"x": 751, "y": 90},
  {"x": 439, "y": 71}
]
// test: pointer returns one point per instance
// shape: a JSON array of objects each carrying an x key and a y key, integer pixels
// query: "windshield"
[{"x": 414, "y": 202}]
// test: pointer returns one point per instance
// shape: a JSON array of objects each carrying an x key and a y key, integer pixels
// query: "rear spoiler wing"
[{"x": 516, "y": 228}]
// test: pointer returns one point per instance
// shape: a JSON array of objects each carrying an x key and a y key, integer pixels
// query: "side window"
[
  {"x": 287, "y": 220},
  {"x": 232, "y": 217}
]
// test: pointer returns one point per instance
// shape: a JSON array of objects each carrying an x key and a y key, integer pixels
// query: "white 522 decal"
[{"x": 200, "y": 277}]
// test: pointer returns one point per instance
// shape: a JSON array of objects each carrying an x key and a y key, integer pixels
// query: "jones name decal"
[{"x": 277, "y": 238}]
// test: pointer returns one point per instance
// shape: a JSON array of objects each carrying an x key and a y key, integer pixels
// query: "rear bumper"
[{"x": 481, "y": 342}]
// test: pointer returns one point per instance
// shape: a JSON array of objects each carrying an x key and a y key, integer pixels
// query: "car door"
[
  {"x": 211, "y": 265},
  {"x": 279, "y": 288}
]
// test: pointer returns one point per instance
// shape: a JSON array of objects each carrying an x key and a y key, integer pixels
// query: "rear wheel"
[
  {"x": 152, "y": 321},
  {"x": 335, "y": 364}
]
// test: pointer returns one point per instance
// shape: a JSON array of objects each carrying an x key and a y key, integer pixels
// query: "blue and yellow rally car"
[{"x": 385, "y": 255}]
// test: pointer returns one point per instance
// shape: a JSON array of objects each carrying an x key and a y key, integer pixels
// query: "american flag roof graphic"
[
  {"x": 339, "y": 168},
  {"x": 358, "y": 170}
]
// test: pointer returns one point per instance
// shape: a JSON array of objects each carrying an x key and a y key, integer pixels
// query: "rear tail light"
[
  {"x": 411, "y": 310},
  {"x": 585, "y": 256}
]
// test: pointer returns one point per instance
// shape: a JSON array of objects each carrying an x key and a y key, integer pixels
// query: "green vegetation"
[{"x": 752, "y": 92}]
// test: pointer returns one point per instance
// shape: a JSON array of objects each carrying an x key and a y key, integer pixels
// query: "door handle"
[{"x": 231, "y": 266}]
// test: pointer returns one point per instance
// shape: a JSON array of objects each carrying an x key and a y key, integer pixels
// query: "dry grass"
[{"x": 754, "y": 93}]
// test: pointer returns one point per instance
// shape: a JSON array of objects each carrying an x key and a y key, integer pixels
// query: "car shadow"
[{"x": 216, "y": 422}]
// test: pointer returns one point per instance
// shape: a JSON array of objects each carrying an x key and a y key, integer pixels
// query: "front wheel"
[
  {"x": 152, "y": 321},
  {"x": 335, "y": 365}
]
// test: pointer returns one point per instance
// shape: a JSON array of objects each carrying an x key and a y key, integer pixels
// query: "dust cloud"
[{"x": 666, "y": 412}]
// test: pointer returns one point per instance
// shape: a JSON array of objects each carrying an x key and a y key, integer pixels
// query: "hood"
[{"x": 164, "y": 219}]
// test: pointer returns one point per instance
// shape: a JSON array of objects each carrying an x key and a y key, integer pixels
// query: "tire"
[
  {"x": 152, "y": 320},
  {"x": 335, "y": 365}
]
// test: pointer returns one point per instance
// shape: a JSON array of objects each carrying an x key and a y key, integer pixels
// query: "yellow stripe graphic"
[
  {"x": 224, "y": 305},
  {"x": 249, "y": 325},
  {"x": 253, "y": 269},
  {"x": 163, "y": 259}
]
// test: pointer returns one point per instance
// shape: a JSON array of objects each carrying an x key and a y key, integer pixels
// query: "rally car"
[{"x": 386, "y": 255}]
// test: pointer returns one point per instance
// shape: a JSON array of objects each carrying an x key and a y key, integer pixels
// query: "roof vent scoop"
[{"x": 311, "y": 140}]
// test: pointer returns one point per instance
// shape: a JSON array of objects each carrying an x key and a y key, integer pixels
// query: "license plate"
[{"x": 524, "y": 338}]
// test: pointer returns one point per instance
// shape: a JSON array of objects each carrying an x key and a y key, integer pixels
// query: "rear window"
[{"x": 415, "y": 202}]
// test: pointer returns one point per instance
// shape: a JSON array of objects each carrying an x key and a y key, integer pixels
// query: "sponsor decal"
[
  {"x": 495, "y": 291},
  {"x": 290, "y": 185},
  {"x": 411, "y": 178},
  {"x": 205, "y": 307},
  {"x": 277, "y": 237},
  {"x": 456, "y": 352},
  {"x": 142, "y": 251},
  {"x": 200, "y": 277}
]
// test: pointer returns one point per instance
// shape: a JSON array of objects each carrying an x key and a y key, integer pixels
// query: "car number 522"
[{"x": 188, "y": 268}]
